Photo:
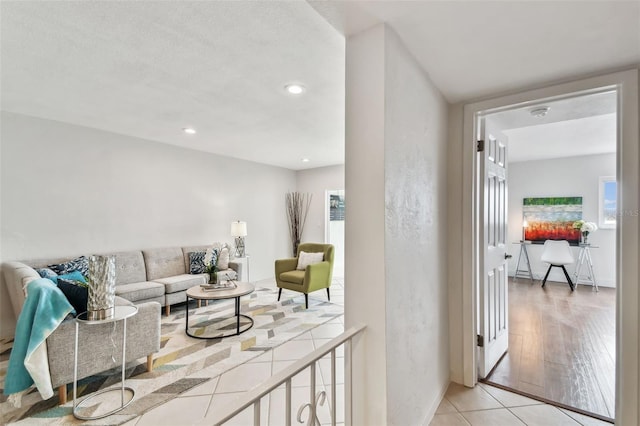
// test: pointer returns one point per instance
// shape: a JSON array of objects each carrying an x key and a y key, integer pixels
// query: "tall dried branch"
[{"x": 297, "y": 204}]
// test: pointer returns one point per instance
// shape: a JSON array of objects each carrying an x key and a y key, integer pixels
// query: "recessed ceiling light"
[
  {"x": 189, "y": 130},
  {"x": 540, "y": 112},
  {"x": 305, "y": 160},
  {"x": 295, "y": 89}
]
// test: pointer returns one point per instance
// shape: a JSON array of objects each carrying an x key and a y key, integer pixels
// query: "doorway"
[
  {"x": 625, "y": 85},
  {"x": 334, "y": 228},
  {"x": 561, "y": 342}
]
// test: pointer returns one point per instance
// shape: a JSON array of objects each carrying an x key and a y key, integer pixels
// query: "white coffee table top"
[{"x": 198, "y": 292}]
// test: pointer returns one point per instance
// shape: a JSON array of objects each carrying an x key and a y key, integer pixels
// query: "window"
[{"x": 608, "y": 207}]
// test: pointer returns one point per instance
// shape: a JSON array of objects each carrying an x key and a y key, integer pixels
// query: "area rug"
[{"x": 183, "y": 362}]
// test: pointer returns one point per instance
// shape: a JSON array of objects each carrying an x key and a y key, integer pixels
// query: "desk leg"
[
  {"x": 590, "y": 266},
  {"x": 526, "y": 256},
  {"x": 576, "y": 276}
]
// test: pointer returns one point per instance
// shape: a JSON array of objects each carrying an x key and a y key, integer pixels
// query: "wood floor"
[{"x": 561, "y": 345}]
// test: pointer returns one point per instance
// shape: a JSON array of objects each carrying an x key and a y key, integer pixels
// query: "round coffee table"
[{"x": 198, "y": 293}]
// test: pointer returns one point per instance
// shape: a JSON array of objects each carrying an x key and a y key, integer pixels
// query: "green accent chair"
[{"x": 314, "y": 277}]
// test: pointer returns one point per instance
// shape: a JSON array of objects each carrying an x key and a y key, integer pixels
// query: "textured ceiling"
[
  {"x": 477, "y": 48},
  {"x": 582, "y": 125},
  {"x": 148, "y": 69}
]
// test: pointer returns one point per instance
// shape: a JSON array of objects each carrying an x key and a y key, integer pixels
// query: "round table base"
[{"x": 100, "y": 416}]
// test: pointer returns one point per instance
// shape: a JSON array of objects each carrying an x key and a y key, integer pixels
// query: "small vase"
[
  {"x": 213, "y": 277},
  {"x": 585, "y": 238}
]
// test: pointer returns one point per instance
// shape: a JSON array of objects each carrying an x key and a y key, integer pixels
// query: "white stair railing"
[{"x": 252, "y": 397}]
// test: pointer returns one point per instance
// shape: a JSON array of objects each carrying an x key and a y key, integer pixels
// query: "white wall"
[
  {"x": 69, "y": 190},
  {"x": 563, "y": 177},
  {"x": 317, "y": 181},
  {"x": 396, "y": 161}
]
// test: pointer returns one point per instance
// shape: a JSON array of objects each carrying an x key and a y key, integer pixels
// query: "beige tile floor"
[
  {"x": 199, "y": 405},
  {"x": 481, "y": 406},
  {"x": 486, "y": 405}
]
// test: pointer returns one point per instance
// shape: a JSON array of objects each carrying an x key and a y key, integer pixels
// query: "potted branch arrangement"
[{"x": 298, "y": 204}]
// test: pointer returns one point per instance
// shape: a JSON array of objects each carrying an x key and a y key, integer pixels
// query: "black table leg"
[
  {"x": 238, "y": 314},
  {"x": 186, "y": 322}
]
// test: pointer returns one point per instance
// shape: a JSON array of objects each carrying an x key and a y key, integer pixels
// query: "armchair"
[{"x": 314, "y": 277}]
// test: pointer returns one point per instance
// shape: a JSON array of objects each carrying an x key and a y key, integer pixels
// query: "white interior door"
[{"x": 493, "y": 331}]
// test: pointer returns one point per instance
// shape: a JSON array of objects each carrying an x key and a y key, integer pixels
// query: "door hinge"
[
  {"x": 480, "y": 146},
  {"x": 480, "y": 340}
]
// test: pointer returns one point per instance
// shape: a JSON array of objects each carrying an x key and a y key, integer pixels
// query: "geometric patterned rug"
[{"x": 183, "y": 362}]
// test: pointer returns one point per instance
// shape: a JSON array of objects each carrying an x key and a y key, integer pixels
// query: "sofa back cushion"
[
  {"x": 164, "y": 262},
  {"x": 130, "y": 267}
]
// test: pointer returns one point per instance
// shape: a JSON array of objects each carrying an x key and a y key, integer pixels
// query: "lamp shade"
[{"x": 238, "y": 229}]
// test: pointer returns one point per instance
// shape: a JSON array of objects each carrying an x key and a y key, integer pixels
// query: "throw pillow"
[
  {"x": 223, "y": 259},
  {"x": 75, "y": 276},
  {"x": 305, "y": 259},
  {"x": 78, "y": 264},
  {"x": 77, "y": 295},
  {"x": 71, "y": 276},
  {"x": 196, "y": 262},
  {"x": 47, "y": 273}
]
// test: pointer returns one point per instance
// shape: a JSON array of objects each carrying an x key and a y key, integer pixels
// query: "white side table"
[
  {"x": 121, "y": 314},
  {"x": 584, "y": 256},
  {"x": 244, "y": 261}
]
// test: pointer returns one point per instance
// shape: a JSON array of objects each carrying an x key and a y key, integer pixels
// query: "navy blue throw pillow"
[{"x": 77, "y": 295}]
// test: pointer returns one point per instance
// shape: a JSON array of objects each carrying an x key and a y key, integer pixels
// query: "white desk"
[
  {"x": 584, "y": 256},
  {"x": 526, "y": 272}
]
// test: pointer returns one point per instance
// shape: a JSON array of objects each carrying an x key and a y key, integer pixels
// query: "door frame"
[{"x": 627, "y": 274}]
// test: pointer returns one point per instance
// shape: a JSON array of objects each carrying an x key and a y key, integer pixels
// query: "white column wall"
[
  {"x": 365, "y": 291},
  {"x": 396, "y": 260},
  {"x": 415, "y": 238},
  {"x": 70, "y": 190}
]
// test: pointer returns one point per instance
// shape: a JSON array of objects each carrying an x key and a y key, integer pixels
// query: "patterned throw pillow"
[
  {"x": 47, "y": 273},
  {"x": 78, "y": 264},
  {"x": 196, "y": 262}
]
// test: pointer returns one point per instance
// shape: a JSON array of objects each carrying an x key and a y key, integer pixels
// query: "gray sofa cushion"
[
  {"x": 163, "y": 262},
  {"x": 140, "y": 291},
  {"x": 129, "y": 267},
  {"x": 182, "y": 282}
]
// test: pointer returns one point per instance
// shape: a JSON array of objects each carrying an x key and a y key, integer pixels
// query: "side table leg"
[
  {"x": 75, "y": 370},
  {"x": 124, "y": 358}
]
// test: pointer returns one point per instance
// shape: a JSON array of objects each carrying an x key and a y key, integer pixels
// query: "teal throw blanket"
[{"x": 44, "y": 309}]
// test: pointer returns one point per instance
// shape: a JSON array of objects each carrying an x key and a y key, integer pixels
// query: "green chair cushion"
[{"x": 296, "y": 277}]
